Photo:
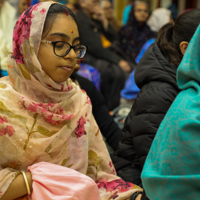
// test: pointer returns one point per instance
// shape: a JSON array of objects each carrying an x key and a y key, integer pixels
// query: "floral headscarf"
[{"x": 41, "y": 120}]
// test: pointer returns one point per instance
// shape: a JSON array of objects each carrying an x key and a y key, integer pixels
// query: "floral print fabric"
[{"x": 41, "y": 120}]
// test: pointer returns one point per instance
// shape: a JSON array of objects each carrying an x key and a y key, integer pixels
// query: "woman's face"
[
  {"x": 108, "y": 9},
  {"x": 141, "y": 12},
  {"x": 57, "y": 68}
]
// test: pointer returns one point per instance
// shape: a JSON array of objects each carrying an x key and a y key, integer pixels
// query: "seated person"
[
  {"x": 98, "y": 36},
  {"x": 107, "y": 7},
  {"x": 136, "y": 32},
  {"x": 156, "y": 21}
]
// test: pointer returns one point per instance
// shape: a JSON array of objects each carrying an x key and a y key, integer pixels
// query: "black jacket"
[
  {"x": 91, "y": 31},
  {"x": 156, "y": 79},
  {"x": 107, "y": 126}
]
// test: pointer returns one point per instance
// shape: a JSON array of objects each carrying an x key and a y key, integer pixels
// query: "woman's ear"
[{"x": 183, "y": 46}]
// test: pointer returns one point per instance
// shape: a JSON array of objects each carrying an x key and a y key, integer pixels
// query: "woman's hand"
[
  {"x": 99, "y": 13},
  {"x": 124, "y": 65},
  {"x": 101, "y": 17}
]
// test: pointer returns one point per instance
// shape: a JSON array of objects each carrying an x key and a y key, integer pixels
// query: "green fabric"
[{"x": 172, "y": 168}]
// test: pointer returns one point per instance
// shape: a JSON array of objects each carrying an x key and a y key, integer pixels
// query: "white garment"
[
  {"x": 7, "y": 22},
  {"x": 158, "y": 18}
]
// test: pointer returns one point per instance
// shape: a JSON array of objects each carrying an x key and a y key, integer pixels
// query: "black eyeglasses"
[{"x": 62, "y": 48}]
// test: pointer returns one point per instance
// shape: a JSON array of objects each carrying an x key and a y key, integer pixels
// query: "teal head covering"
[{"x": 172, "y": 168}]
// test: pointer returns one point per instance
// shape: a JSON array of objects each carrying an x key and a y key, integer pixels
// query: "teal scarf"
[{"x": 172, "y": 168}]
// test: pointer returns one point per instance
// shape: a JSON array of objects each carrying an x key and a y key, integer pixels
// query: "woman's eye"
[{"x": 59, "y": 45}]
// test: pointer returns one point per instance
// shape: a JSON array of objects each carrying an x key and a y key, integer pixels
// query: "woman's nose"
[{"x": 71, "y": 54}]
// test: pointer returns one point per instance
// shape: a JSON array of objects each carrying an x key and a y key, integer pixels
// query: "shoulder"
[{"x": 157, "y": 90}]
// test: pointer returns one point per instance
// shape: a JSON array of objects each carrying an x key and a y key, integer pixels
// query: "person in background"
[
  {"x": 107, "y": 7},
  {"x": 171, "y": 170},
  {"x": 7, "y": 22},
  {"x": 158, "y": 18},
  {"x": 99, "y": 37},
  {"x": 126, "y": 12},
  {"x": 134, "y": 35},
  {"x": 156, "y": 78}
]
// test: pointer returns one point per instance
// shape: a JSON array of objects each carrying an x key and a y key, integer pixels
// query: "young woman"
[
  {"x": 156, "y": 77},
  {"x": 136, "y": 32},
  {"x": 44, "y": 116}
]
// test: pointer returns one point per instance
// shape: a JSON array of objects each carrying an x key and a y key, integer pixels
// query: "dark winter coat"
[{"x": 156, "y": 78}]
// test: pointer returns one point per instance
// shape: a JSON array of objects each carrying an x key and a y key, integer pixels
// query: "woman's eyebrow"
[
  {"x": 61, "y": 34},
  {"x": 75, "y": 39},
  {"x": 65, "y": 36}
]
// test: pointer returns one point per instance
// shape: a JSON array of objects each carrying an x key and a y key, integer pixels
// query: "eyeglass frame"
[{"x": 71, "y": 47}]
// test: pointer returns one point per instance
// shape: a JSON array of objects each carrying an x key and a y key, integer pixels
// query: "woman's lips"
[{"x": 67, "y": 68}]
